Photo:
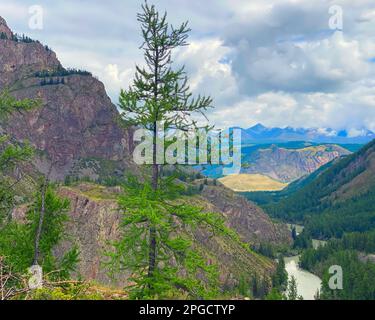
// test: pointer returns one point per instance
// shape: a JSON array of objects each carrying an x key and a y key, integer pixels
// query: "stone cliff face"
[
  {"x": 4, "y": 30},
  {"x": 76, "y": 128},
  {"x": 19, "y": 59},
  {"x": 287, "y": 165},
  {"x": 95, "y": 220},
  {"x": 251, "y": 222}
]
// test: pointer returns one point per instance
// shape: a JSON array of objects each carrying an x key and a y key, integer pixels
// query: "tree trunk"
[
  {"x": 41, "y": 218},
  {"x": 152, "y": 252},
  {"x": 152, "y": 230},
  {"x": 40, "y": 224},
  {"x": 155, "y": 176},
  {"x": 152, "y": 240}
]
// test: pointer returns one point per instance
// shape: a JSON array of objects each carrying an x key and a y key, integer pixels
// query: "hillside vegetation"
[{"x": 340, "y": 199}]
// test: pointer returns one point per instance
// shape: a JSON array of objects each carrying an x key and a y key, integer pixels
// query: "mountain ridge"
[
  {"x": 262, "y": 134},
  {"x": 82, "y": 144},
  {"x": 287, "y": 165},
  {"x": 282, "y": 163}
]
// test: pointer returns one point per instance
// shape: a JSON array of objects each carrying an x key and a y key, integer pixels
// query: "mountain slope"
[
  {"x": 285, "y": 162},
  {"x": 287, "y": 165},
  {"x": 339, "y": 199},
  {"x": 95, "y": 220},
  {"x": 76, "y": 128}
]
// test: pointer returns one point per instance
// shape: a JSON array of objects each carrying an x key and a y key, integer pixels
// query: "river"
[{"x": 307, "y": 283}]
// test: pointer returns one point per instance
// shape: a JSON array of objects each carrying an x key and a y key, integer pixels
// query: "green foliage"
[
  {"x": 266, "y": 249},
  {"x": 17, "y": 239},
  {"x": 180, "y": 265},
  {"x": 11, "y": 154},
  {"x": 358, "y": 276},
  {"x": 292, "y": 293},
  {"x": 156, "y": 244},
  {"x": 253, "y": 287},
  {"x": 73, "y": 180},
  {"x": 159, "y": 93},
  {"x": 259, "y": 287},
  {"x": 244, "y": 286},
  {"x": 9, "y": 104},
  {"x": 275, "y": 294},
  {"x": 61, "y": 72},
  {"x": 294, "y": 233},
  {"x": 70, "y": 291},
  {"x": 19, "y": 38},
  {"x": 353, "y": 215},
  {"x": 280, "y": 277},
  {"x": 362, "y": 242},
  {"x": 312, "y": 201},
  {"x": 53, "y": 77},
  {"x": 303, "y": 240}
]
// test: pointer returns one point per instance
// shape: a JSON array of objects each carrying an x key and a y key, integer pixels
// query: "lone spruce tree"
[{"x": 156, "y": 246}]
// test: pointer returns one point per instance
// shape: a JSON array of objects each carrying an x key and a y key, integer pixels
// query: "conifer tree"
[
  {"x": 280, "y": 278},
  {"x": 159, "y": 93},
  {"x": 292, "y": 292},
  {"x": 156, "y": 244}
]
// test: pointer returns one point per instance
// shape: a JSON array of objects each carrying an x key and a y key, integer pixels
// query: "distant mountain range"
[{"x": 261, "y": 134}]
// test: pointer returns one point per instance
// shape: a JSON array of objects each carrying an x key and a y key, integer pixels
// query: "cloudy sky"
[{"x": 278, "y": 62}]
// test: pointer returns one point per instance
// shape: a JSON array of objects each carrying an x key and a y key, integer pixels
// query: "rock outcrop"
[
  {"x": 76, "y": 127},
  {"x": 251, "y": 222},
  {"x": 287, "y": 165},
  {"x": 95, "y": 219},
  {"x": 4, "y": 29}
]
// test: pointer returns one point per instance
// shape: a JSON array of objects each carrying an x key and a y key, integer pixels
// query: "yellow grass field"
[{"x": 251, "y": 182}]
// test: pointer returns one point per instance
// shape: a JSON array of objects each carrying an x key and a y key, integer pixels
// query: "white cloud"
[
  {"x": 209, "y": 68},
  {"x": 269, "y": 61},
  {"x": 118, "y": 79}
]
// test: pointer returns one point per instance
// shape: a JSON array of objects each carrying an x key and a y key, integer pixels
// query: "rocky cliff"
[
  {"x": 76, "y": 127},
  {"x": 250, "y": 222},
  {"x": 287, "y": 165},
  {"x": 95, "y": 220}
]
